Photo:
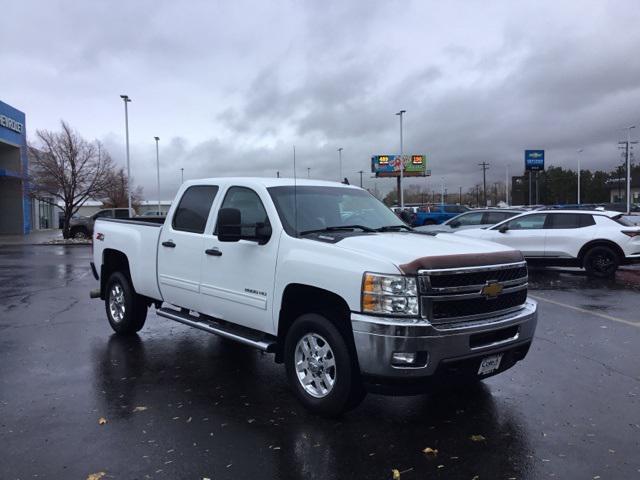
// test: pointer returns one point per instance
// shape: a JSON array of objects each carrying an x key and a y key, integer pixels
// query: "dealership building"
[
  {"x": 15, "y": 207},
  {"x": 20, "y": 213}
]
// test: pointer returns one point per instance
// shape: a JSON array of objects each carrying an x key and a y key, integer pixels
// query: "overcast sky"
[{"x": 229, "y": 87}]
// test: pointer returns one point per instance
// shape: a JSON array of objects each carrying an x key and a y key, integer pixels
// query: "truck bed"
[{"x": 138, "y": 239}]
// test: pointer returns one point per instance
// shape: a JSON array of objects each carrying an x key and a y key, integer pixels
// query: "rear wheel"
[
  {"x": 320, "y": 367},
  {"x": 79, "y": 233},
  {"x": 126, "y": 310},
  {"x": 601, "y": 262}
]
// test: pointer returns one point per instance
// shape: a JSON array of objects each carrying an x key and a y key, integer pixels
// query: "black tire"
[
  {"x": 347, "y": 391},
  {"x": 132, "y": 305},
  {"x": 79, "y": 233},
  {"x": 601, "y": 262}
]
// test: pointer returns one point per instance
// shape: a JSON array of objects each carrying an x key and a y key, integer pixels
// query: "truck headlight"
[{"x": 389, "y": 294}]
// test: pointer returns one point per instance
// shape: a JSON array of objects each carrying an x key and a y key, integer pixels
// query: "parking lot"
[{"x": 179, "y": 403}]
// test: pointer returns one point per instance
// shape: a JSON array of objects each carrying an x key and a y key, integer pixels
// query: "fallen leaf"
[
  {"x": 477, "y": 438},
  {"x": 430, "y": 451},
  {"x": 440, "y": 466},
  {"x": 395, "y": 474},
  {"x": 140, "y": 408},
  {"x": 96, "y": 476},
  {"x": 102, "y": 421},
  {"x": 189, "y": 420}
]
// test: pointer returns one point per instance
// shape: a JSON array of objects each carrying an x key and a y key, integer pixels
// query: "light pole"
[
  {"x": 629, "y": 168},
  {"x": 579, "y": 169},
  {"x": 360, "y": 172},
  {"x": 506, "y": 184},
  {"x": 401, "y": 194},
  {"x": 340, "y": 162},
  {"x": 126, "y": 99},
  {"x": 308, "y": 172},
  {"x": 158, "y": 172},
  {"x": 181, "y": 176}
]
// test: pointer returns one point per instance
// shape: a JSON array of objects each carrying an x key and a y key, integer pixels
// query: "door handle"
[
  {"x": 169, "y": 243},
  {"x": 213, "y": 251}
]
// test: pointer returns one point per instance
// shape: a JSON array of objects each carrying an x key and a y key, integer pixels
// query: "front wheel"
[
  {"x": 126, "y": 310},
  {"x": 601, "y": 262},
  {"x": 320, "y": 368}
]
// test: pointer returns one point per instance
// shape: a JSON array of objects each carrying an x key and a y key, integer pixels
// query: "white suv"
[{"x": 598, "y": 241}]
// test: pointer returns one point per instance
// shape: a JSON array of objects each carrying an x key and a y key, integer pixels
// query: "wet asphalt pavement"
[{"x": 180, "y": 403}]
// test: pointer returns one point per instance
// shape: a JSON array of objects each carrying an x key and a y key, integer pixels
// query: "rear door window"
[
  {"x": 491, "y": 218},
  {"x": 193, "y": 209},
  {"x": 474, "y": 218},
  {"x": 104, "y": 214},
  {"x": 569, "y": 220},
  {"x": 120, "y": 213}
]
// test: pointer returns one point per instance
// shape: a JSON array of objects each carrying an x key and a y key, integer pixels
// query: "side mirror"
[
  {"x": 503, "y": 228},
  {"x": 263, "y": 233},
  {"x": 455, "y": 224},
  {"x": 229, "y": 225}
]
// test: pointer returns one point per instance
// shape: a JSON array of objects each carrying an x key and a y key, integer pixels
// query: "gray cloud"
[{"x": 230, "y": 87}]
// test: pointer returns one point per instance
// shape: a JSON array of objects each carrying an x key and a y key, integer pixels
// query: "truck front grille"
[{"x": 451, "y": 296}]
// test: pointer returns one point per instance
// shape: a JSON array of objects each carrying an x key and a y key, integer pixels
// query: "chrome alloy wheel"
[
  {"x": 116, "y": 302},
  {"x": 315, "y": 365}
]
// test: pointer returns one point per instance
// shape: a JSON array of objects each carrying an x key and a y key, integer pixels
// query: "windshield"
[{"x": 326, "y": 207}]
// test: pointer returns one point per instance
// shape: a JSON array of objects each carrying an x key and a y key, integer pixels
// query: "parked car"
[
  {"x": 82, "y": 227},
  {"x": 328, "y": 279},
  {"x": 61, "y": 219},
  {"x": 436, "y": 214},
  {"x": 598, "y": 241},
  {"x": 481, "y": 218}
]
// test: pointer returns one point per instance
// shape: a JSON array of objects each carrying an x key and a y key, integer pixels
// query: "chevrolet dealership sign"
[{"x": 11, "y": 124}]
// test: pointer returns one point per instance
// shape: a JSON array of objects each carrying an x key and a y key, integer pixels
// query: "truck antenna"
[{"x": 295, "y": 193}]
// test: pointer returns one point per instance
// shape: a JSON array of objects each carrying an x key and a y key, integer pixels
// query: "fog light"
[{"x": 403, "y": 359}]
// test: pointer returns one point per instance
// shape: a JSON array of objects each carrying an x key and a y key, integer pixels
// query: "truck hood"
[{"x": 410, "y": 252}]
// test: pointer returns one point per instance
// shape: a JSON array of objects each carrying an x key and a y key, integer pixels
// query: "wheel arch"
[
  {"x": 113, "y": 261},
  {"x": 600, "y": 243},
  {"x": 298, "y": 299}
]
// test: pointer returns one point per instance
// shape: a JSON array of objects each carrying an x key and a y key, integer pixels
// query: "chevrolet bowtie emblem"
[{"x": 491, "y": 289}]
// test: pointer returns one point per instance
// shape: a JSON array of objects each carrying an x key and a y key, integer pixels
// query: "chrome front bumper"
[{"x": 377, "y": 338}]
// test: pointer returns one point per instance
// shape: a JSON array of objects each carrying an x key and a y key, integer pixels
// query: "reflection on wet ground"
[
  {"x": 626, "y": 278},
  {"x": 182, "y": 404}
]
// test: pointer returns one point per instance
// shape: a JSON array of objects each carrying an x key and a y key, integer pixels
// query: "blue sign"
[{"x": 534, "y": 160}]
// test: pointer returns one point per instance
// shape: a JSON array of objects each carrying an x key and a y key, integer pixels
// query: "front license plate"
[{"x": 489, "y": 364}]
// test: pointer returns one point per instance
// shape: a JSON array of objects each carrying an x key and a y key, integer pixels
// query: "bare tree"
[
  {"x": 114, "y": 191},
  {"x": 68, "y": 168}
]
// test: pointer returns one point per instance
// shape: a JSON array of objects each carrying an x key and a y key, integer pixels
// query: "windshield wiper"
[
  {"x": 338, "y": 228},
  {"x": 393, "y": 228}
]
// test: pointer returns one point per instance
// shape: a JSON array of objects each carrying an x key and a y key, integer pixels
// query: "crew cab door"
[
  {"x": 525, "y": 233},
  {"x": 181, "y": 248},
  {"x": 238, "y": 277}
]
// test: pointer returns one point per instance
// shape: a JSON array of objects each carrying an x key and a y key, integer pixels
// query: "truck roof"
[{"x": 266, "y": 182}]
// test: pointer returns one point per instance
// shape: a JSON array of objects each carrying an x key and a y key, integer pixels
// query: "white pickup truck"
[{"x": 328, "y": 279}]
